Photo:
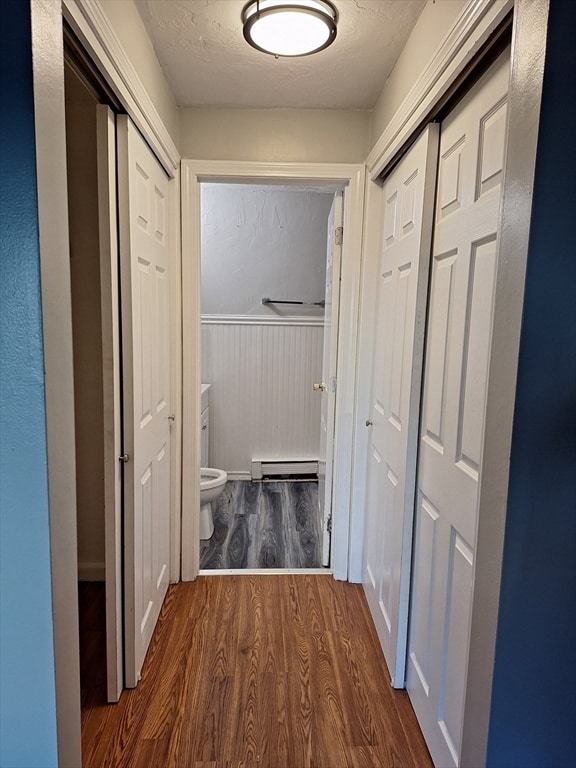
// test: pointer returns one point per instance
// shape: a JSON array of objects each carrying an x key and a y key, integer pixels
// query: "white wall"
[
  {"x": 262, "y": 405},
  {"x": 432, "y": 26},
  {"x": 129, "y": 27},
  {"x": 262, "y": 241},
  {"x": 275, "y": 135},
  {"x": 261, "y": 361}
]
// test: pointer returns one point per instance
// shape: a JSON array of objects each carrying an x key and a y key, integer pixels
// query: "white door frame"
[{"x": 352, "y": 178}]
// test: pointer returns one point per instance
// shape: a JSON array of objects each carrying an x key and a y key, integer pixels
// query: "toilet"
[{"x": 212, "y": 482}]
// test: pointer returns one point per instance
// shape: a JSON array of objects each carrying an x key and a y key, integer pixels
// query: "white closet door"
[
  {"x": 408, "y": 196},
  {"x": 458, "y": 342},
  {"x": 144, "y": 216}
]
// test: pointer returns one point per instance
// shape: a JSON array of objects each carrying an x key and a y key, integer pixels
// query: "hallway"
[{"x": 252, "y": 672}]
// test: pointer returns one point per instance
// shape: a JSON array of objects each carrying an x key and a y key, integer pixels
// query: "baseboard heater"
[{"x": 264, "y": 468}]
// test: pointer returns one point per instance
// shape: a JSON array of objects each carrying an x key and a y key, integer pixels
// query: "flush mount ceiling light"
[{"x": 289, "y": 27}]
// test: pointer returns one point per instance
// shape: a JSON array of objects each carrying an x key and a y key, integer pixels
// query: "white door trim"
[
  {"x": 52, "y": 184},
  {"x": 175, "y": 379},
  {"x": 350, "y": 176},
  {"x": 474, "y": 25}
]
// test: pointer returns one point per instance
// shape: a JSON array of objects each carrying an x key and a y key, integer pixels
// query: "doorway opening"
[
  {"x": 325, "y": 179},
  {"x": 268, "y": 303}
]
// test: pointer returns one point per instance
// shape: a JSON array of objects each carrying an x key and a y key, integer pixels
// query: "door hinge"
[
  {"x": 329, "y": 524},
  {"x": 338, "y": 235}
]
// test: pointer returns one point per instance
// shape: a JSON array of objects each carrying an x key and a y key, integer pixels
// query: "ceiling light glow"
[{"x": 289, "y": 27}]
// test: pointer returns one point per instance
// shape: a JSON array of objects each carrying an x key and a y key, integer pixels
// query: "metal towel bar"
[{"x": 304, "y": 303}]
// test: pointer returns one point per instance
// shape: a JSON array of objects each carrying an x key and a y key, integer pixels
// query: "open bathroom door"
[
  {"x": 108, "y": 238},
  {"x": 329, "y": 361}
]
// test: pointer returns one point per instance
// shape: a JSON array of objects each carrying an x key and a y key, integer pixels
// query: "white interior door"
[
  {"x": 459, "y": 332},
  {"x": 329, "y": 363},
  {"x": 108, "y": 236},
  {"x": 408, "y": 196},
  {"x": 144, "y": 219}
]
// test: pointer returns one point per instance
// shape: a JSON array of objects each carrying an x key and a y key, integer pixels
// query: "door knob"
[
  {"x": 319, "y": 387},
  {"x": 369, "y": 423}
]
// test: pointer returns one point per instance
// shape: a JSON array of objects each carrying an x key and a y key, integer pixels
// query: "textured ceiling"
[{"x": 207, "y": 62}]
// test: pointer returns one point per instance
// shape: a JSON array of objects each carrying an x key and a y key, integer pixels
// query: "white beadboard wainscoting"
[{"x": 262, "y": 405}]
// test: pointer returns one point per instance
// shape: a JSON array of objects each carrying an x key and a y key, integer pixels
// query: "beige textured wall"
[
  {"x": 128, "y": 26},
  {"x": 86, "y": 319},
  {"x": 274, "y": 135},
  {"x": 280, "y": 135},
  {"x": 431, "y": 28}
]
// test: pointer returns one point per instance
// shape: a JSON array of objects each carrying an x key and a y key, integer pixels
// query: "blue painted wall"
[
  {"x": 27, "y": 689},
  {"x": 533, "y": 716}
]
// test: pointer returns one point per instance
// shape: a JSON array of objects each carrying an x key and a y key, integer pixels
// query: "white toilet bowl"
[{"x": 212, "y": 482}]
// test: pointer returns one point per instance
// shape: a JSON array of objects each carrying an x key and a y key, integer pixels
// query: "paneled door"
[
  {"x": 329, "y": 363},
  {"x": 408, "y": 197},
  {"x": 144, "y": 198},
  {"x": 459, "y": 333}
]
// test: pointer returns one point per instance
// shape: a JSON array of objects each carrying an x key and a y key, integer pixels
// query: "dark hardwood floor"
[
  {"x": 264, "y": 525},
  {"x": 251, "y": 671}
]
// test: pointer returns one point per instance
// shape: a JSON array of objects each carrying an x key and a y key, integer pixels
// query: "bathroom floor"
[{"x": 264, "y": 525}]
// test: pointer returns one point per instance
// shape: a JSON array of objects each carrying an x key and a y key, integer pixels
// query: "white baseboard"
[
  {"x": 239, "y": 476},
  {"x": 91, "y": 572}
]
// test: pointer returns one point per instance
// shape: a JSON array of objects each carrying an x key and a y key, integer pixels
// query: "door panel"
[
  {"x": 143, "y": 200},
  {"x": 396, "y": 379},
  {"x": 452, "y": 424},
  {"x": 329, "y": 363}
]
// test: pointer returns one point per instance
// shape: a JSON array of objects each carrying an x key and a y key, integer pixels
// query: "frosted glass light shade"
[{"x": 289, "y": 27}]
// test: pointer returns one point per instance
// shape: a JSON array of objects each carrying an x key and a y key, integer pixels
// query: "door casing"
[{"x": 351, "y": 177}]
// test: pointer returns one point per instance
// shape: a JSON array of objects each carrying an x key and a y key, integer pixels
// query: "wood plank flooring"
[
  {"x": 254, "y": 671},
  {"x": 264, "y": 525}
]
